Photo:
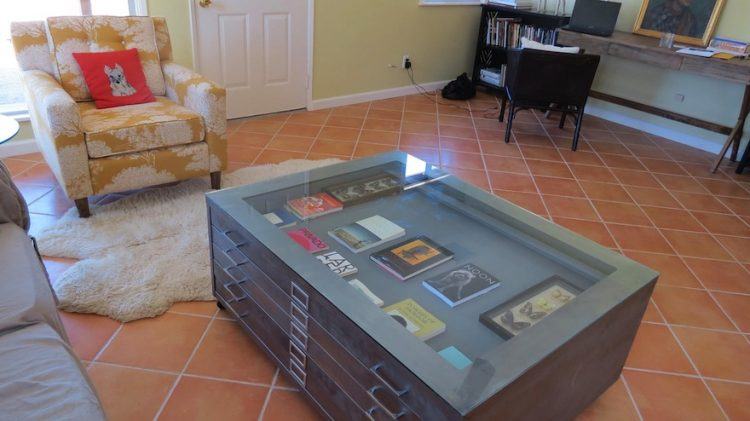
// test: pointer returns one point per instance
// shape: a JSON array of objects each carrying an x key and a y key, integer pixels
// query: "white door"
[{"x": 257, "y": 49}]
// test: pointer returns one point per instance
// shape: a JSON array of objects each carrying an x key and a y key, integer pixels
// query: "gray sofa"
[{"x": 40, "y": 376}]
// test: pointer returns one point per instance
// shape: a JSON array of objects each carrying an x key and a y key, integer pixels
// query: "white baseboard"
[
  {"x": 652, "y": 128},
  {"x": 18, "y": 147},
  {"x": 338, "y": 101}
]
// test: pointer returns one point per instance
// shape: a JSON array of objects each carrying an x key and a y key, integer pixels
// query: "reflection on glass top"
[{"x": 437, "y": 257}]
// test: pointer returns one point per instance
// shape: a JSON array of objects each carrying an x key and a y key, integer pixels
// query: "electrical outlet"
[
  {"x": 404, "y": 60},
  {"x": 679, "y": 97}
]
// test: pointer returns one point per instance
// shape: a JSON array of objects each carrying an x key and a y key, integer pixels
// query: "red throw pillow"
[{"x": 115, "y": 78}]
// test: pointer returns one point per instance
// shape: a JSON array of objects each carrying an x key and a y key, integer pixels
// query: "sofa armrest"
[
  {"x": 56, "y": 120},
  {"x": 208, "y": 99},
  {"x": 12, "y": 204}
]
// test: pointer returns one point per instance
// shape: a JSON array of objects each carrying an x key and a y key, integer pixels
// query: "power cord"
[{"x": 424, "y": 92}]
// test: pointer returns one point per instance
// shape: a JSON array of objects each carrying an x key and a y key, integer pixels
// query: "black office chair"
[{"x": 548, "y": 81}]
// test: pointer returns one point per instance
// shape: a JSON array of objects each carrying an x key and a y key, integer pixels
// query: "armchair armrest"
[
  {"x": 208, "y": 99},
  {"x": 56, "y": 120}
]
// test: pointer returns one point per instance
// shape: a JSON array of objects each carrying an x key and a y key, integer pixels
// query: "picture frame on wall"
[{"x": 692, "y": 21}]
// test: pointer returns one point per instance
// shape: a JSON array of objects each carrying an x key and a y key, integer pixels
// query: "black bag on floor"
[{"x": 461, "y": 88}]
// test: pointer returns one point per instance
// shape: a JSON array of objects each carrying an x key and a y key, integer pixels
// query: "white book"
[
  {"x": 359, "y": 286},
  {"x": 337, "y": 263},
  {"x": 367, "y": 233}
]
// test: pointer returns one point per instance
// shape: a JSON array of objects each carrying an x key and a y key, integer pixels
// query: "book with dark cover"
[
  {"x": 411, "y": 257},
  {"x": 313, "y": 206},
  {"x": 366, "y": 189},
  {"x": 461, "y": 284}
]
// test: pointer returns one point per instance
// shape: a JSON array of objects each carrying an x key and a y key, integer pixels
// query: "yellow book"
[{"x": 415, "y": 319}]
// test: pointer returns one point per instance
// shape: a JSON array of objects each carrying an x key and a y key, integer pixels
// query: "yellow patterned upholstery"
[
  {"x": 92, "y": 151},
  {"x": 137, "y": 128}
]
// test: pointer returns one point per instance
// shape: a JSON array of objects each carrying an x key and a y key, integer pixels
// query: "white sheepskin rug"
[{"x": 140, "y": 254}]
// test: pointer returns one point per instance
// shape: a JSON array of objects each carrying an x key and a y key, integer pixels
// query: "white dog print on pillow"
[{"x": 117, "y": 81}]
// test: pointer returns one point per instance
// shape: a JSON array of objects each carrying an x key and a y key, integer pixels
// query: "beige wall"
[
  {"x": 177, "y": 13},
  {"x": 709, "y": 99}
]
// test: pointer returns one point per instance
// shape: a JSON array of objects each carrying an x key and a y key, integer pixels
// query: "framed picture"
[
  {"x": 692, "y": 21},
  {"x": 363, "y": 190},
  {"x": 530, "y": 307}
]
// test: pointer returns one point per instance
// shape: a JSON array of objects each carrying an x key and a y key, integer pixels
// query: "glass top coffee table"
[{"x": 464, "y": 304}]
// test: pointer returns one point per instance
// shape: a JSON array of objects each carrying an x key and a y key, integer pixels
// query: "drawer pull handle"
[
  {"x": 236, "y": 275},
  {"x": 398, "y": 392},
  {"x": 231, "y": 293},
  {"x": 235, "y": 238},
  {"x": 298, "y": 315},
  {"x": 296, "y": 353},
  {"x": 372, "y": 410},
  {"x": 299, "y": 295},
  {"x": 236, "y": 256},
  {"x": 298, "y": 335},
  {"x": 297, "y": 372}
]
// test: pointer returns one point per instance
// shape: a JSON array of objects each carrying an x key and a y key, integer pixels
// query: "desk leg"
[{"x": 736, "y": 135}]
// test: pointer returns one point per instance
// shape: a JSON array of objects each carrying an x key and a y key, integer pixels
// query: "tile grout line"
[
  {"x": 691, "y": 376},
  {"x": 108, "y": 342},
  {"x": 273, "y": 137},
  {"x": 531, "y": 176},
  {"x": 682, "y": 259},
  {"x": 361, "y": 129},
  {"x": 185, "y": 366},
  {"x": 690, "y": 359},
  {"x": 268, "y": 395},
  {"x": 317, "y": 136},
  {"x": 709, "y": 329},
  {"x": 479, "y": 144}
]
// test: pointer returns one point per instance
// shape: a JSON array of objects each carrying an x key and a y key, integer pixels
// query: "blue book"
[{"x": 455, "y": 357}]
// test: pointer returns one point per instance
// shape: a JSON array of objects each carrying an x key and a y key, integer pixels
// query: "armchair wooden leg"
[
  {"x": 83, "y": 207},
  {"x": 502, "y": 109},
  {"x": 577, "y": 132},
  {"x": 216, "y": 180},
  {"x": 562, "y": 120},
  {"x": 509, "y": 126}
]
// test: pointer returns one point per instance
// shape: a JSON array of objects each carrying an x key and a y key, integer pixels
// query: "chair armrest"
[
  {"x": 208, "y": 99},
  {"x": 56, "y": 120}
]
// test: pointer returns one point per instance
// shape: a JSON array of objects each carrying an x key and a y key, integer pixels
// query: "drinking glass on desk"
[{"x": 666, "y": 40}]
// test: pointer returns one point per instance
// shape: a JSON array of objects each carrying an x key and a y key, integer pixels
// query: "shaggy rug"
[{"x": 140, "y": 254}]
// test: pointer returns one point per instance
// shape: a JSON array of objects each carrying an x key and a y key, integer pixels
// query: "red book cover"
[
  {"x": 309, "y": 241},
  {"x": 316, "y": 205}
]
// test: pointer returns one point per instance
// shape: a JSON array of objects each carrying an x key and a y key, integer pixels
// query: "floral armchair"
[{"x": 97, "y": 151}]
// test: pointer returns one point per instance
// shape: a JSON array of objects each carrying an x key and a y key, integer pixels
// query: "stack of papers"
[{"x": 516, "y": 4}]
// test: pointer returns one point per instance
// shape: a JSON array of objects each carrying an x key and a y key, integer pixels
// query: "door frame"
[{"x": 310, "y": 39}]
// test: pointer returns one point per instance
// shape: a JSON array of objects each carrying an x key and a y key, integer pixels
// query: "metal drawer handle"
[
  {"x": 235, "y": 238},
  {"x": 299, "y": 335},
  {"x": 300, "y": 296},
  {"x": 372, "y": 410},
  {"x": 297, "y": 372},
  {"x": 298, "y": 315},
  {"x": 237, "y": 275},
  {"x": 398, "y": 392},
  {"x": 297, "y": 354},
  {"x": 236, "y": 256},
  {"x": 231, "y": 293}
]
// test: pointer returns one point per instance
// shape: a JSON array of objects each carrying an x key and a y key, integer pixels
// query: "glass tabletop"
[
  {"x": 8, "y": 128},
  {"x": 466, "y": 289}
]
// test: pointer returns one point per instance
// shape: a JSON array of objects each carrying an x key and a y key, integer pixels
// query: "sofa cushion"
[
  {"x": 83, "y": 34},
  {"x": 138, "y": 128},
  {"x": 41, "y": 379},
  {"x": 25, "y": 294},
  {"x": 151, "y": 168}
]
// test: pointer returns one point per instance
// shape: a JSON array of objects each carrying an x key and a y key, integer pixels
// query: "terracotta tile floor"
[{"x": 649, "y": 198}]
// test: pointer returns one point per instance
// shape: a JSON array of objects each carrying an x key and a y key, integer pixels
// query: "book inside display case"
[
  {"x": 501, "y": 28},
  {"x": 464, "y": 289}
]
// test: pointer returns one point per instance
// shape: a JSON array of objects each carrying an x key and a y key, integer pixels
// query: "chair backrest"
[
  {"x": 544, "y": 77},
  {"x": 48, "y": 46}
]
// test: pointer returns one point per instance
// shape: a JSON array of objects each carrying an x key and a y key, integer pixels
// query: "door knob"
[{"x": 204, "y": 3}]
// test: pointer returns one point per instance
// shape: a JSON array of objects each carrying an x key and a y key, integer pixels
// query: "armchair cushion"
[
  {"x": 82, "y": 34},
  {"x": 138, "y": 128}
]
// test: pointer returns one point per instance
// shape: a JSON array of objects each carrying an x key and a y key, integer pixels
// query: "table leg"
[{"x": 735, "y": 137}]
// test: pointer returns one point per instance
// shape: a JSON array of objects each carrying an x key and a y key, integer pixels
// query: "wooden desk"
[{"x": 646, "y": 50}]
